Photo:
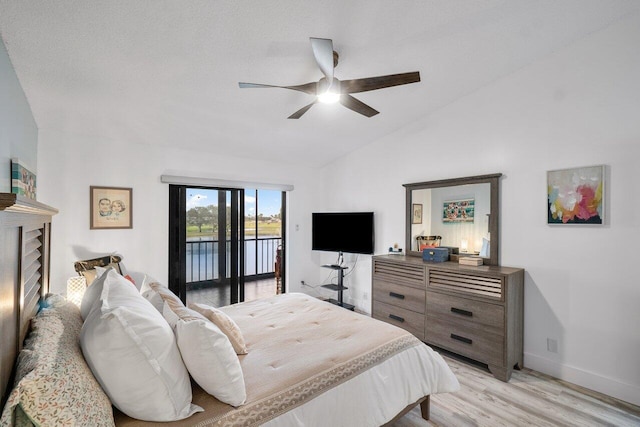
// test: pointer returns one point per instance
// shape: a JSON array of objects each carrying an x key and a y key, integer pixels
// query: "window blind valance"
[{"x": 222, "y": 183}]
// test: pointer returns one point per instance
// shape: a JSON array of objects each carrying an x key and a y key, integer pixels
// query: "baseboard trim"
[{"x": 627, "y": 392}]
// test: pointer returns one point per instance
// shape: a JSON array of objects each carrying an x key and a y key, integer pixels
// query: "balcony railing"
[{"x": 259, "y": 258}]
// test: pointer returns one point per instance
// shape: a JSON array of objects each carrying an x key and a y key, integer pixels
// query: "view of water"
[{"x": 202, "y": 257}]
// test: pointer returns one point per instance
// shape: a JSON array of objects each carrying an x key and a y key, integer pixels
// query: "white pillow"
[
  {"x": 100, "y": 270},
  {"x": 144, "y": 285},
  {"x": 154, "y": 299},
  {"x": 93, "y": 292},
  {"x": 225, "y": 323},
  {"x": 209, "y": 356},
  {"x": 133, "y": 354}
]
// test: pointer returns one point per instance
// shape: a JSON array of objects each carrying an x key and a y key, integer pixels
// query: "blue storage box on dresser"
[{"x": 435, "y": 254}]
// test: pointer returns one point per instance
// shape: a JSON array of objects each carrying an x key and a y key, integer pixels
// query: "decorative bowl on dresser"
[{"x": 476, "y": 312}]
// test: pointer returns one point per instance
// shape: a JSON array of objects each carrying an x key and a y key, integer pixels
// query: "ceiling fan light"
[{"x": 329, "y": 97}]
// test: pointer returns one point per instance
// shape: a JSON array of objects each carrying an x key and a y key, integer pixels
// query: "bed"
[{"x": 307, "y": 360}]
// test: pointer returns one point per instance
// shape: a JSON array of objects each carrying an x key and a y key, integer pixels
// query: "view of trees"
[
  {"x": 200, "y": 216},
  {"x": 203, "y": 220}
]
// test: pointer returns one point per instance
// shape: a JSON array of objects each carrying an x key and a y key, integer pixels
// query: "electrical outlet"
[{"x": 552, "y": 345}]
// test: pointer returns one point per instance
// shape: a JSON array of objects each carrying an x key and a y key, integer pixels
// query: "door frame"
[
  {"x": 178, "y": 240},
  {"x": 177, "y": 246}
]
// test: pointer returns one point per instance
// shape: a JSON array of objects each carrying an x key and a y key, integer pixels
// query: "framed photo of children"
[{"x": 111, "y": 207}]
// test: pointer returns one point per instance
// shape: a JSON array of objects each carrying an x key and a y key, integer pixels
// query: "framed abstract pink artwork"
[{"x": 576, "y": 196}]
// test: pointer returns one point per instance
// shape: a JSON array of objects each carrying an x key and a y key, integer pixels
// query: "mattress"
[{"x": 310, "y": 361}]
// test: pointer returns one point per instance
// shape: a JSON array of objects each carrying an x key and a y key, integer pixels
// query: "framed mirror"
[{"x": 462, "y": 213}]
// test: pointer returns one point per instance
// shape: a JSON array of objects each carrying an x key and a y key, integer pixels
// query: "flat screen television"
[{"x": 351, "y": 232}]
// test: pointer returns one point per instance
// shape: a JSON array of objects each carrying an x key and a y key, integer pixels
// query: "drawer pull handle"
[
  {"x": 462, "y": 312},
  {"x": 463, "y": 339},
  {"x": 398, "y": 318},
  {"x": 394, "y": 295}
]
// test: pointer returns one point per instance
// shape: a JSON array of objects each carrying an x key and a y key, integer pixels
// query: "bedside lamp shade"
[{"x": 75, "y": 289}]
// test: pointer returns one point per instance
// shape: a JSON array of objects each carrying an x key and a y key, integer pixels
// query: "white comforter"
[{"x": 376, "y": 396}]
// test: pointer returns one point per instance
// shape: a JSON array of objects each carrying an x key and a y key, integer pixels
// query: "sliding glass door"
[
  {"x": 206, "y": 254},
  {"x": 225, "y": 245},
  {"x": 264, "y": 224}
]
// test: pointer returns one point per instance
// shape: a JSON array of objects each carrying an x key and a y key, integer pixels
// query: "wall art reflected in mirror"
[{"x": 461, "y": 213}]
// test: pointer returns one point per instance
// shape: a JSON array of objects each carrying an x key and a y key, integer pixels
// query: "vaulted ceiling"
[{"x": 166, "y": 72}]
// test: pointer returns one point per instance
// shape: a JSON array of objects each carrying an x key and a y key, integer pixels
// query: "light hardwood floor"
[{"x": 528, "y": 399}]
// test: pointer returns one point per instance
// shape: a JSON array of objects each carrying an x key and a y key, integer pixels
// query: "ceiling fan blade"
[
  {"x": 301, "y": 111},
  {"x": 358, "y": 106},
  {"x": 309, "y": 88},
  {"x": 373, "y": 83},
  {"x": 323, "y": 52}
]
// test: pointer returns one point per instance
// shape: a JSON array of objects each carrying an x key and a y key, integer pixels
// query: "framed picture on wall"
[
  {"x": 576, "y": 195},
  {"x": 111, "y": 207},
  {"x": 459, "y": 210},
  {"x": 23, "y": 181},
  {"x": 416, "y": 217}
]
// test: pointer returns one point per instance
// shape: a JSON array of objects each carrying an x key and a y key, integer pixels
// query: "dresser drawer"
[
  {"x": 455, "y": 309},
  {"x": 466, "y": 339},
  {"x": 467, "y": 283},
  {"x": 399, "y": 295},
  {"x": 399, "y": 273},
  {"x": 403, "y": 318}
]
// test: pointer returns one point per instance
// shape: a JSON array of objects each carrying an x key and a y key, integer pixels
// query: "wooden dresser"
[{"x": 476, "y": 312}]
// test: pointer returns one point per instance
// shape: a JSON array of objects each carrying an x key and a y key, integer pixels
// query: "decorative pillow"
[
  {"x": 133, "y": 354},
  {"x": 225, "y": 323},
  {"x": 93, "y": 292},
  {"x": 167, "y": 296},
  {"x": 171, "y": 317},
  {"x": 58, "y": 387},
  {"x": 157, "y": 294},
  {"x": 208, "y": 355},
  {"x": 87, "y": 267}
]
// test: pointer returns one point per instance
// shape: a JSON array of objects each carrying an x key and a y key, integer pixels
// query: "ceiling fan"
[{"x": 330, "y": 90}]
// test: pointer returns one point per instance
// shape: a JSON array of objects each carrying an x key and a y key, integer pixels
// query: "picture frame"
[
  {"x": 416, "y": 213},
  {"x": 458, "y": 210},
  {"x": 576, "y": 195},
  {"x": 110, "y": 207},
  {"x": 23, "y": 181}
]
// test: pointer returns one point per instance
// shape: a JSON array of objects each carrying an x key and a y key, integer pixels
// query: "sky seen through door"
[{"x": 269, "y": 200}]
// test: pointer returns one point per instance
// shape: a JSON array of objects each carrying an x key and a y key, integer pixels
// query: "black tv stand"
[{"x": 339, "y": 287}]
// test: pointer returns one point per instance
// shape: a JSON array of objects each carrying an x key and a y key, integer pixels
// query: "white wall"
[
  {"x": 18, "y": 131},
  {"x": 577, "y": 107},
  {"x": 70, "y": 164}
]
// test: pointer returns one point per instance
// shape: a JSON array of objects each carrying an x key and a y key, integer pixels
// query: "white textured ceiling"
[{"x": 166, "y": 73}]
